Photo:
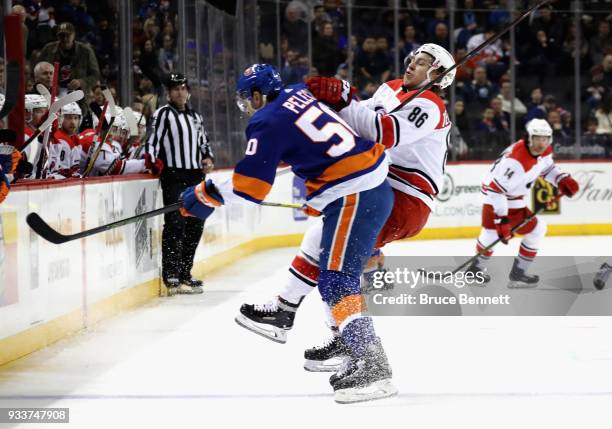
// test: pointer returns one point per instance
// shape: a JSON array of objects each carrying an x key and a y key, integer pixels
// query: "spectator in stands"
[
  {"x": 440, "y": 17},
  {"x": 167, "y": 57},
  {"x": 601, "y": 81},
  {"x": 480, "y": 90},
  {"x": 506, "y": 97},
  {"x": 542, "y": 56},
  {"x": 550, "y": 24},
  {"x": 599, "y": 41},
  {"x": 569, "y": 50},
  {"x": 603, "y": 114},
  {"x": 78, "y": 63},
  {"x": 382, "y": 49},
  {"x": 541, "y": 111},
  {"x": 148, "y": 63},
  {"x": 320, "y": 18},
  {"x": 295, "y": 68},
  {"x": 43, "y": 74},
  {"x": 336, "y": 14},
  {"x": 535, "y": 98},
  {"x": 294, "y": 26},
  {"x": 464, "y": 34},
  {"x": 461, "y": 120},
  {"x": 342, "y": 72},
  {"x": 486, "y": 124},
  {"x": 491, "y": 56},
  {"x": 368, "y": 90},
  {"x": 560, "y": 133},
  {"x": 500, "y": 118},
  {"x": 440, "y": 36},
  {"x": 408, "y": 42},
  {"x": 326, "y": 55},
  {"x": 371, "y": 64},
  {"x": 20, "y": 11}
]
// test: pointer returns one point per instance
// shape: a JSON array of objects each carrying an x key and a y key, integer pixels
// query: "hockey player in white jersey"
[
  {"x": 35, "y": 108},
  {"x": 416, "y": 140},
  {"x": 505, "y": 187},
  {"x": 64, "y": 151}
]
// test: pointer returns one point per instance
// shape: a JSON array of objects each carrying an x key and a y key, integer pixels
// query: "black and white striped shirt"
[{"x": 178, "y": 138}]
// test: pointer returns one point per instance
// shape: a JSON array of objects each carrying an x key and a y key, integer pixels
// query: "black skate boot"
[
  {"x": 475, "y": 269},
  {"x": 271, "y": 320},
  {"x": 327, "y": 357},
  {"x": 191, "y": 286},
  {"x": 519, "y": 279},
  {"x": 172, "y": 285},
  {"x": 364, "y": 379},
  {"x": 600, "y": 279}
]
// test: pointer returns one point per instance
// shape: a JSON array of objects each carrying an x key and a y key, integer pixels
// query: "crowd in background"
[{"x": 545, "y": 50}]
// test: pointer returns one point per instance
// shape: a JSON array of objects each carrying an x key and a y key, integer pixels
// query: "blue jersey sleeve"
[{"x": 255, "y": 173}]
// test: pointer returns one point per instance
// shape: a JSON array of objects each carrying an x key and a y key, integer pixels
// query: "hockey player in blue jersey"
[{"x": 345, "y": 181}]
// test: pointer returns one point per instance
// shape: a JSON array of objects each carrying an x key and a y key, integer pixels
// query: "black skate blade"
[{"x": 279, "y": 336}]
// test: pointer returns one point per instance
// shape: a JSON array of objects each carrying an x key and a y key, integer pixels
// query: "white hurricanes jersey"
[
  {"x": 512, "y": 175},
  {"x": 416, "y": 137}
]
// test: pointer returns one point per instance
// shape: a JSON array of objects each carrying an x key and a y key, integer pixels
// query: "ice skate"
[
  {"x": 475, "y": 269},
  {"x": 519, "y": 279},
  {"x": 327, "y": 357},
  {"x": 366, "y": 378},
  {"x": 196, "y": 286},
  {"x": 600, "y": 279},
  {"x": 271, "y": 320}
]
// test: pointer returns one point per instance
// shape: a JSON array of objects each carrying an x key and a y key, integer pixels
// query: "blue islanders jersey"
[{"x": 319, "y": 145}]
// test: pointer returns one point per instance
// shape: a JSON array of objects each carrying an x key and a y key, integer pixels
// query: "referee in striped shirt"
[{"x": 179, "y": 142}]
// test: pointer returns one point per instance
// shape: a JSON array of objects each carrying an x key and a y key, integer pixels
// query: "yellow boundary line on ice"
[{"x": 40, "y": 336}]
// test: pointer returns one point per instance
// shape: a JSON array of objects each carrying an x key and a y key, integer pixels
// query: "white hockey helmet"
[
  {"x": 141, "y": 121},
  {"x": 441, "y": 59},
  {"x": 35, "y": 101},
  {"x": 70, "y": 109},
  {"x": 539, "y": 127}
]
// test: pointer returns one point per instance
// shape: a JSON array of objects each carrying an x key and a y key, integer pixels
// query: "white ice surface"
[{"x": 182, "y": 362}]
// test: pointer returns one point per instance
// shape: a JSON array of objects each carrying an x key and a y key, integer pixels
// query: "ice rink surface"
[{"x": 182, "y": 362}]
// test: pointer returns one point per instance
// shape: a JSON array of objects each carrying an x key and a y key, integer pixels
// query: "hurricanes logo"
[
  {"x": 543, "y": 192},
  {"x": 448, "y": 187}
]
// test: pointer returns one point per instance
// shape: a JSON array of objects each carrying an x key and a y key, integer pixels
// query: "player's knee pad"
[
  {"x": 534, "y": 237},
  {"x": 335, "y": 285}
]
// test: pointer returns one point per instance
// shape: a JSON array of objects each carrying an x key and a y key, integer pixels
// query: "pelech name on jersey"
[{"x": 298, "y": 102}]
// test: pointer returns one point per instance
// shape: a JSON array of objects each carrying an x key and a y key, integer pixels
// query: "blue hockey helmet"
[{"x": 261, "y": 77}]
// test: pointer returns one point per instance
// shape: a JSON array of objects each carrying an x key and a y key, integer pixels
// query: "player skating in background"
[
  {"x": 601, "y": 278},
  {"x": 345, "y": 178},
  {"x": 505, "y": 188},
  {"x": 416, "y": 141}
]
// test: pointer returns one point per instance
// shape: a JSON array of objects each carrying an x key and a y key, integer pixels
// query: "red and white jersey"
[
  {"x": 513, "y": 174},
  {"x": 108, "y": 162},
  {"x": 64, "y": 155},
  {"x": 416, "y": 137}
]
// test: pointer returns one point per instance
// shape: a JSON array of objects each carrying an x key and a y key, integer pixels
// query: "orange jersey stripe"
[
  {"x": 255, "y": 188},
  {"x": 349, "y": 305},
  {"x": 342, "y": 233},
  {"x": 346, "y": 167}
]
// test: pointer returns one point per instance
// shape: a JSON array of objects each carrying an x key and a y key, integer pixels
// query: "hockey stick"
[
  {"x": 13, "y": 78},
  {"x": 131, "y": 121},
  {"x": 470, "y": 54},
  {"x": 42, "y": 90},
  {"x": 490, "y": 246},
  {"x": 43, "y": 229},
  {"x": 44, "y": 156},
  {"x": 55, "y": 107},
  {"x": 113, "y": 113}
]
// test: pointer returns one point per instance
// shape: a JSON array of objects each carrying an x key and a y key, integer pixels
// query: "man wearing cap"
[
  {"x": 179, "y": 150},
  {"x": 78, "y": 64}
]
